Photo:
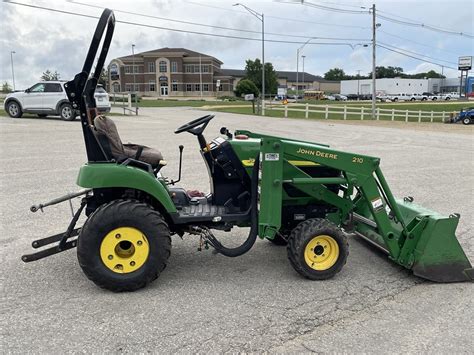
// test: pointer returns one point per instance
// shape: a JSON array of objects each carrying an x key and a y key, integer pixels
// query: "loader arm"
[{"x": 412, "y": 236}]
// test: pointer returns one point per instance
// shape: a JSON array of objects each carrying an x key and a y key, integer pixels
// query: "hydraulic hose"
[{"x": 252, "y": 237}]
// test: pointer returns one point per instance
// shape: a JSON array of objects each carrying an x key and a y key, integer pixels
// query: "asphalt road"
[{"x": 209, "y": 303}]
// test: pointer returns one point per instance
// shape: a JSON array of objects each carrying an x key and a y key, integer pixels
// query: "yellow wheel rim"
[
  {"x": 321, "y": 252},
  {"x": 124, "y": 250}
]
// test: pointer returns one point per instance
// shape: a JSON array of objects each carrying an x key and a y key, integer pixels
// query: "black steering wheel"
[{"x": 196, "y": 126}]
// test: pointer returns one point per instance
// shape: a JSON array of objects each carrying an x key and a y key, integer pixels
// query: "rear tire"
[
  {"x": 14, "y": 109},
  {"x": 317, "y": 249},
  {"x": 124, "y": 245},
  {"x": 67, "y": 113}
]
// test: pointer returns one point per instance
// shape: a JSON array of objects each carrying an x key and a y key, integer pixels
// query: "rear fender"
[{"x": 110, "y": 175}]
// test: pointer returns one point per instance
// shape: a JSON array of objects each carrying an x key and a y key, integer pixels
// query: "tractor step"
[{"x": 203, "y": 210}]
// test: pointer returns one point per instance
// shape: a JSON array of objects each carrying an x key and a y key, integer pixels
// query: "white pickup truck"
[{"x": 404, "y": 97}]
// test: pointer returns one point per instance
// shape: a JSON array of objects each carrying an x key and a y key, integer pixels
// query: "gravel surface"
[{"x": 209, "y": 303}]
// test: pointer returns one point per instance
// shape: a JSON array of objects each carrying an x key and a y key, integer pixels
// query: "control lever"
[
  {"x": 225, "y": 131},
  {"x": 181, "y": 148}
]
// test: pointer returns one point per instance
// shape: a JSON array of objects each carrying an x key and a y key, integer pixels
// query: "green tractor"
[{"x": 304, "y": 195}]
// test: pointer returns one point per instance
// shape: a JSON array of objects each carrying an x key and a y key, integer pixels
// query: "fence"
[{"x": 353, "y": 112}]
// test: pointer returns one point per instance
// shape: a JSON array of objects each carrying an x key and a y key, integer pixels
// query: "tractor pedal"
[
  {"x": 47, "y": 252},
  {"x": 52, "y": 239}
]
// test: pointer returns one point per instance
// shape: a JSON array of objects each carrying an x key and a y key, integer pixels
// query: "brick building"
[
  {"x": 180, "y": 72},
  {"x": 169, "y": 72}
]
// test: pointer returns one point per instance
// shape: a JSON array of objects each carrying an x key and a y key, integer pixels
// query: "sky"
[{"x": 45, "y": 40}]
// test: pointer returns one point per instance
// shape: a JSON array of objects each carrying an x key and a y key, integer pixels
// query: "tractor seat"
[{"x": 106, "y": 132}]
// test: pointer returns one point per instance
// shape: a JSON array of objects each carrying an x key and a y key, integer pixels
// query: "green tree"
[
  {"x": 6, "y": 88},
  {"x": 253, "y": 72},
  {"x": 50, "y": 76},
  {"x": 104, "y": 79},
  {"x": 245, "y": 87},
  {"x": 387, "y": 72},
  {"x": 335, "y": 74}
]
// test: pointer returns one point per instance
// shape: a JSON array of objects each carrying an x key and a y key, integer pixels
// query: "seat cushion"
[
  {"x": 106, "y": 127},
  {"x": 148, "y": 155}
]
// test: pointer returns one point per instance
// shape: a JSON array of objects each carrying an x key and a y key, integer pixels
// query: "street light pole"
[
  {"x": 297, "y": 65},
  {"x": 13, "y": 70},
  {"x": 358, "y": 86},
  {"x": 262, "y": 19},
  {"x": 374, "y": 27},
  {"x": 133, "y": 69},
  {"x": 304, "y": 85}
]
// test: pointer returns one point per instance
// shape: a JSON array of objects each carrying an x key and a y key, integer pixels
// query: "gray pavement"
[{"x": 209, "y": 303}]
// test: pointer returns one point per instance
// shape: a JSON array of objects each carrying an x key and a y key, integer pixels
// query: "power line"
[
  {"x": 334, "y": 9},
  {"x": 217, "y": 27},
  {"x": 414, "y": 57},
  {"x": 419, "y": 43},
  {"x": 423, "y": 25},
  {"x": 280, "y": 18},
  {"x": 175, "y": 29},
  {"x": 419, "y": 54}
]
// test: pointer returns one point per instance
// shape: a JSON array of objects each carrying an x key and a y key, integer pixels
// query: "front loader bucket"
[
  {"x": 438, "y": 256},
  {"x": 431, "y": 250}
]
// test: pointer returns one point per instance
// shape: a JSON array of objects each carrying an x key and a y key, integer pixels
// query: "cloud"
[{"x": 45, "y": 40}]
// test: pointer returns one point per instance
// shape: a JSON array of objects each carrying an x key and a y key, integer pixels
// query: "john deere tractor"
[{"x": 304, "y": 195}]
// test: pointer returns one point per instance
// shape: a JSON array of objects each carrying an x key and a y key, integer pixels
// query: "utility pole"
[
  {"x": 13, "y": 70},
  {"x": 374, "y": 26}
]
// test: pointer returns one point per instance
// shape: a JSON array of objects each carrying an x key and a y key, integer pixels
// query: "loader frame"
[{"x": 366, "y": 205}]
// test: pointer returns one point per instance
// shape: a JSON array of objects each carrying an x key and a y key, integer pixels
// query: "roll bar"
[{"x": 80, "y": 91}]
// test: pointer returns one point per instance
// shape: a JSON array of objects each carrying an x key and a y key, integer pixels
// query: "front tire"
[
  {"x": 14, "y": 109},
  {"x": 466, "y": 120},
  {"x": 317, "y": 249},
  {"x": 124, "y": 245},
  {"x": 67, "y": 113}
]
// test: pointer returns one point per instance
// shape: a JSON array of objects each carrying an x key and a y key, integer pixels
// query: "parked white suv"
[{"x": 49, "y": 98}]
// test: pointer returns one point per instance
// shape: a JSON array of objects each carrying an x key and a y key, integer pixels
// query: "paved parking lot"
[{"x": 210, "y": 303}]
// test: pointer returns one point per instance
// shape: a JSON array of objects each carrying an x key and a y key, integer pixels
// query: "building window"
[
  {"x": 151, "y": 67},
  {"x": 196, "y": 68},
  {"x": 205, "y": 68},
  {"x": 163, "y": 67},
  {"x": 116, "y": 87},
  {"x": 136, "y": 87},
  {"x": 152, "y": 85},
  {"x": 221, "y": 87},
  {"x": 129, "y": 69},
  {"x": 128, "y": 87},
  {"x": 197, "y": 87},
  {"x": 188, "y": 68},
  {"x": 174, "y": 67},
  {"x": 114, "y": 72},
  {"x": 174, "y": 87},
  {"x": 189, "y": 87},
  {"x": 205, "y": 87}
]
